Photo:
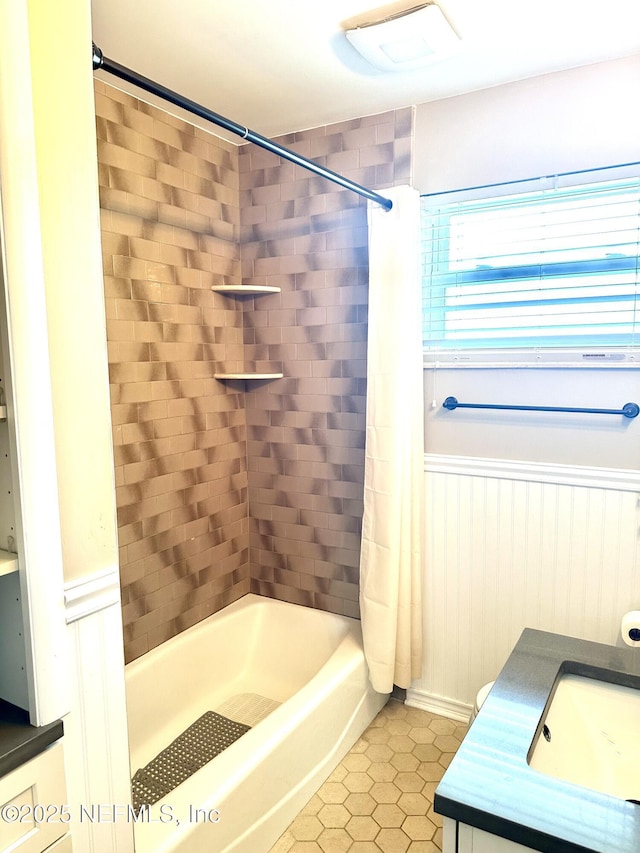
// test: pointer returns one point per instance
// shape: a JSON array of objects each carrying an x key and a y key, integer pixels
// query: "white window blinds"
[{"x": 553, "y": 266}]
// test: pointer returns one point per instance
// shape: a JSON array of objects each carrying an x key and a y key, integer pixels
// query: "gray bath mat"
[{"x": 202, "y": 741}]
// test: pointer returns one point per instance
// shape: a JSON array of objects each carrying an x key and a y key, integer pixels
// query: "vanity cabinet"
[
  {"x": 32, "y": 819},
  {"x": 492, "y": 800},
  {"x": 460, "y": 838}
]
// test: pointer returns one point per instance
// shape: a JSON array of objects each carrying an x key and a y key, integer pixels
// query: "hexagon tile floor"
[{"x": 380, "y": 797}]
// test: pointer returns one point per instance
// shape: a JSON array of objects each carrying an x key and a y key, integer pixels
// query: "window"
[{"x": 523, "y": 271}]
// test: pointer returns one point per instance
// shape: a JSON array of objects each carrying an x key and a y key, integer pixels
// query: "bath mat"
[
  {"x": 248, "y": 708},
  {"x": 202, "y": 741}
]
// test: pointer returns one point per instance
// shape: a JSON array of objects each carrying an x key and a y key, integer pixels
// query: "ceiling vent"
[{"x": 408, "y": 40}]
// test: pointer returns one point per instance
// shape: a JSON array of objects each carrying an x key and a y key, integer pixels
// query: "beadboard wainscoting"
[
  {"x": 513, "y": 545},
  {"x": 95, "y": 732}
]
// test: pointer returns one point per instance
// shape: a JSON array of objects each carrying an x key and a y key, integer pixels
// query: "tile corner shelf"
[
  {"x": 8, "y": 563},
  {"x": 248, "y": 375},
  {"x": 244, "y": 289},
  {"x": 3, "y": 413}
]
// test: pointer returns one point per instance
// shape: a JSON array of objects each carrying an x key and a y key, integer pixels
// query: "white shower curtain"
[{"x": 391, "y": 552}]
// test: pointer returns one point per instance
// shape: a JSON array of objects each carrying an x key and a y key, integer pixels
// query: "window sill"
[{"x": 510, "y": 359}]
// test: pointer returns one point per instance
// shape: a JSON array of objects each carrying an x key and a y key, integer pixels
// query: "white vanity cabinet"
[
  {"x": 460, "y": 838},
  {"x": 32, "y": 798}
]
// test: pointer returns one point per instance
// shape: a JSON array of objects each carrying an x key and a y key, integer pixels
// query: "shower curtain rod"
[{"x": 100, "y": 62}]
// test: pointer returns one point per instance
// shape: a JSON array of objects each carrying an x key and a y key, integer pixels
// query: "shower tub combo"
[{"x": 295, "y": 676}]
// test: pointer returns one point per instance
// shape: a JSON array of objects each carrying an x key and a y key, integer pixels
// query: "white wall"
[
  {"x": 565, "y": 439},
  {"x": 548, "y": 539},
  {"x": 67, "y": 170},
  {"x": 578, "y": 119},
  {"x": 570, "y": 120}
]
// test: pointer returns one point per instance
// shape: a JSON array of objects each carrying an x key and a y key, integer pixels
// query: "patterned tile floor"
[{"x": 380, "y": 797}]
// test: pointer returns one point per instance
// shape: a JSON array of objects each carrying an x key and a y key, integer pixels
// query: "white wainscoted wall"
[
  {"x": 513, "y": 545},
  {"x": 95, "y": 741}
]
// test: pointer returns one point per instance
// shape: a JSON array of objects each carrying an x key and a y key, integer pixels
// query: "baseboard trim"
[
  {"x": 91, "y": 594},
  {"x": 451, "y": 708}
]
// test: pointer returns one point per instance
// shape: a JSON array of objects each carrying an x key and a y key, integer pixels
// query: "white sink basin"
[{"x": 591, "y": 736}]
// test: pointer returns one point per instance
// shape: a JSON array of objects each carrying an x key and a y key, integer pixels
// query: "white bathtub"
[{"x": 310, "y": 661}]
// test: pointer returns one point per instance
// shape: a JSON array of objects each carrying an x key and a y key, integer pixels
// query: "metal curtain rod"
[
  {"x": 629, "y": 410},
  {"x": 100, "y": 61}
]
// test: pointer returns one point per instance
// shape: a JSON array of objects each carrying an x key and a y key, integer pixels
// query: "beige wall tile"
[
  {"x": 151, "y": 169},
  {"x": 182, "y": 210}
]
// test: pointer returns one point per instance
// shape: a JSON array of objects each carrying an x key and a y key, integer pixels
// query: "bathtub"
[{"x": 308, "y": 668}]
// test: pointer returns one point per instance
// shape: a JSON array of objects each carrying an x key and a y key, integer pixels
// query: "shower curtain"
[{"x": 391, "y": 550}]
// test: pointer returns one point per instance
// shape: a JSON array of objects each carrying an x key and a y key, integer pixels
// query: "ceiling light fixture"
[{"x": 412, "y": 39}]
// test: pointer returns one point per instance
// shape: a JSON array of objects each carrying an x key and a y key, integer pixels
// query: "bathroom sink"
[{"x": 590, "y": 736}]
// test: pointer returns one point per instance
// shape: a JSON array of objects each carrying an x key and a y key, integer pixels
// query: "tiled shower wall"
[
  {"x": 169, "y": 208},
  {"x": 221, "y": 487},
  {"x": 306, "y": 431}
]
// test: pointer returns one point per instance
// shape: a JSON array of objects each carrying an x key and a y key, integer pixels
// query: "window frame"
[{"x": 528, "y": 354}]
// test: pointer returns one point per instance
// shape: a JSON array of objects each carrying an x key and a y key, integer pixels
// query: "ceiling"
[{"x": 286, "y": 65}]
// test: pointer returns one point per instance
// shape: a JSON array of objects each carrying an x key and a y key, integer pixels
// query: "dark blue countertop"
[
  {"x": 489, "y": 784},
  {"x": 20, "y": 741}
]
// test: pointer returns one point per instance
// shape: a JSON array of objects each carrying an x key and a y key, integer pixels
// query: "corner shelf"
[
  {"x": 8, "y": 563},
  {"x": 244, "y": 289},
  {"x": 3, "y": 413},
  {"x": 248, "y": 375}
]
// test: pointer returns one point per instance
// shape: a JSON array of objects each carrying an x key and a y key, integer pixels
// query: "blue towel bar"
[{"x": 629, "y": 410}]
